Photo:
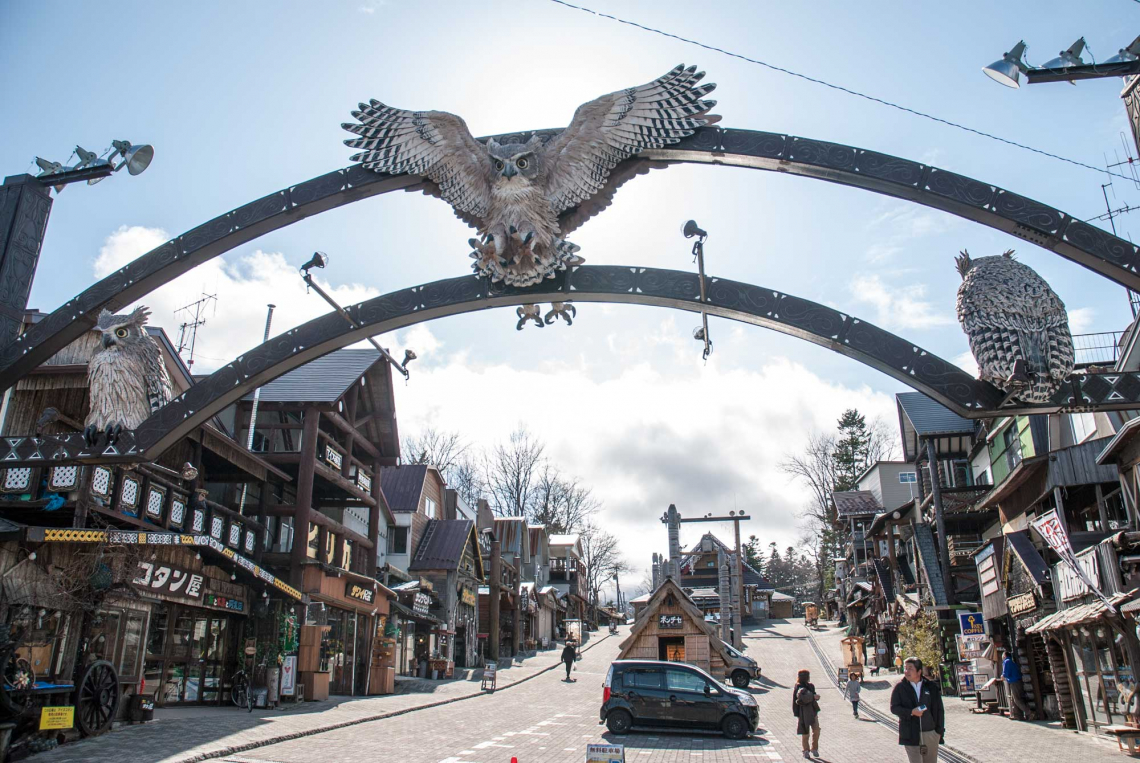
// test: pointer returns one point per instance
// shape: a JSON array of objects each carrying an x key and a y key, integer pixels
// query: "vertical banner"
[
  {"x": 289, "y": 676},
  {"x": 1051, "y": 529}
]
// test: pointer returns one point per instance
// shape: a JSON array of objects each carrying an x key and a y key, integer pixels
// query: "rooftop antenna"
[
  {"x": 1111, "y": 214},
  {"x": 188, "y": 331}
]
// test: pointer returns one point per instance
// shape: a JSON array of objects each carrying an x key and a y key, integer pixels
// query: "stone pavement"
[
  {"x": 182, "y": 735},
  {"x": 980, "y": 736}
]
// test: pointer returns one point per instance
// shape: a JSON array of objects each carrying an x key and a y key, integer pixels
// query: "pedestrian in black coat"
[
  {"x": 568, "y": 655},
  {"x": 920, "y": 730},
  {"x": 805, "y": 707}
]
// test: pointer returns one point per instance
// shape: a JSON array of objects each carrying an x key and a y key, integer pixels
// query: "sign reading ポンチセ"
[
  {"x": 972, "y": 623},
  {"x": 670, "y": 621}
]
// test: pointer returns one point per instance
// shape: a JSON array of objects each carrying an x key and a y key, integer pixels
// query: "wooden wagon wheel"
[
  {"x": 97, "y": 698},
  {"x": 15, "y": 689}
]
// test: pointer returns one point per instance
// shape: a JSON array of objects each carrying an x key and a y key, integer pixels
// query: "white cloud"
[
  {"x": 967, "y": 363},
  {"x": 898, "y": 307},
  {"x": 244, "y": 286},
  {"x": 647, "y": 435},
  {"x": 1081, "y": 319}
]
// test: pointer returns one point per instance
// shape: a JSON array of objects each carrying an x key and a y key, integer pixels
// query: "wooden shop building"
[{"x": 671, "y": 627}]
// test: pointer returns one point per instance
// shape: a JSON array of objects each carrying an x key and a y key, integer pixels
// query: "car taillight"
[
  {"x": 609, "y": 680},
  {"x": 605, "y": 695}
]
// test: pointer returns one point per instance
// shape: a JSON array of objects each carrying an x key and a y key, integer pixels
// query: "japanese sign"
[
  {"x": 160, "y": 578},
  {"x": 1020, "y": 605},
  {"x": 971, "y": 647},
  {"x": 467, "y": 596},
  {"x": 605, "y": 753},
  {"x": 421, "y": 604},
  {"x": 289, "y": 676},
  {"x": 57, "y": 717},
  {"x": 966, "y": 683},
  {"x": 1071, "y": 585},
  {"x": 223, "y": 602},
  {"x": 670, "y": 621},
  {"x": 1050, "y": 528},
  {"x": 972, "y": 623},
  {"x": 359, "y": 592}
]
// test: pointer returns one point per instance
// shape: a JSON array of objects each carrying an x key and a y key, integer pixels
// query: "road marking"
[{"x": 485, "y": 745}]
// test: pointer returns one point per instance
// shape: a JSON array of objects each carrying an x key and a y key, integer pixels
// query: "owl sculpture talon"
[{"x": 91, "y": 435}]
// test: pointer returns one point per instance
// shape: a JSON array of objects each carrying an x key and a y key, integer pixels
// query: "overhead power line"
[{"x": 842, "y": 89}]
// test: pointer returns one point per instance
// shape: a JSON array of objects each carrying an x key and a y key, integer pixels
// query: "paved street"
[{"x": 546, "y": 720}]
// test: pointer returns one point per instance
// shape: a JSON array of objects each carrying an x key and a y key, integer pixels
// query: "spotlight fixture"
[
  {"x": 233, "y": 576},
  {"x": 691, "y": 229},
  {"x": 1009, "y": 69},
  {"x": 318, "y": 260},
  {"x": 189, "y": 472},
  {"x": 1067, "y": 58},
  {"x": 93, "y": 168},
  {"x": 1125, "y": 55},
  {"x": 409, "y": 356}
]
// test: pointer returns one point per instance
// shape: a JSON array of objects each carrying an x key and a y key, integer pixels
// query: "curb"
[
  {"x": 945, "y": 752},
  {"x": 213, "y": 754}
]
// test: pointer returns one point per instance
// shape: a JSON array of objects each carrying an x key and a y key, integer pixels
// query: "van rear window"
[{"x": 642, "y": 679}]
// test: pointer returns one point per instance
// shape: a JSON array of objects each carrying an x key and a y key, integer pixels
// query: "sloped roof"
[
  {"x": 856, "y": 503},
  {"x": 323, "y": 380},
  {"x": 690, "y": 609},
  {"x": 1023, "y": 547},
  {"x": 929, "y": 417},
  {"x": 442, "y": 546},
  {"x": 402, "y": 485},
  {"x": 712, "y": 580}
]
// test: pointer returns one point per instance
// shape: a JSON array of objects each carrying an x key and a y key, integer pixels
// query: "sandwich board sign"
[{"x": 605, "y": 753}]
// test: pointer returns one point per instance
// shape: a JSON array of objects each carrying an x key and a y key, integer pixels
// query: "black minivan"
[{"x": 674, "y": 695}]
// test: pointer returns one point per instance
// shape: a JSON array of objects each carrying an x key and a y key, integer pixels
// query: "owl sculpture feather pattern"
[
  {"x": 127, "y": 379},
  {"x": 524, "y": 198},
  {"x": 1017, "y": 326}
]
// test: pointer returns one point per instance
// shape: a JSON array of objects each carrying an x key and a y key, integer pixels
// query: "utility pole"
[{"x": 673, "y": 519}]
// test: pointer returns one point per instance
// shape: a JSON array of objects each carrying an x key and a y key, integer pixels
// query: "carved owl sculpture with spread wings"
[
  {"x": 1016, "y": 324},
  {"x": 127, "y": 379},
  {"x": 526, "y": 197}
]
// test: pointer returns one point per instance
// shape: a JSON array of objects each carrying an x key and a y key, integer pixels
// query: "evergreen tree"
[
  {"x": 852, "y": 449},
  {"x": 752, "y": 555}
]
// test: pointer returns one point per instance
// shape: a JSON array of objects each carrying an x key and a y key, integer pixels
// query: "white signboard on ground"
[
  {"x": 289, "y": 676},
  {"x": 605, "y": 753}
]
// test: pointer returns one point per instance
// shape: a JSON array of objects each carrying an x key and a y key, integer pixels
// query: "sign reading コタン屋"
[{"x": 164, "y": 578}]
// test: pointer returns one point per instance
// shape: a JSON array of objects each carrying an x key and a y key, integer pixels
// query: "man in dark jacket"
[
  {"x": 917, "y": 702},
  {"x": 569, "y": 652}
]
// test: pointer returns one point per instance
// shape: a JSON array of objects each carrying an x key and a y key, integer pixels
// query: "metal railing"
[{"x": 1102, "y": 349}]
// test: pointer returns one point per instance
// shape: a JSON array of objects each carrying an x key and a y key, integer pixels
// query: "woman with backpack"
[{"x": 805, "y": 707}]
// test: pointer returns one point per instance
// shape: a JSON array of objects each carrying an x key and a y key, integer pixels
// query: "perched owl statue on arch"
[
  {"x": 1017, "y": 326},
  {"x": 127, "y": 379},
  {"x": 526, "y": 197}
]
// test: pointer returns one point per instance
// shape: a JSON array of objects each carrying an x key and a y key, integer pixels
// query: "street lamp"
[
  {"x": 701, "y": 333},
  {"x": 1068, "y": 66},
  {"x": 1008, "y": 70},
  {"x": 93, "y": 168}
]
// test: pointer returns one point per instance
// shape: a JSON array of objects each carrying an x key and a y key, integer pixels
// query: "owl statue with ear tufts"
[
  {"x": 526, "y": 194},
  {"x": 1017, "y": 326},
  {"x": 127, "y": 379}
]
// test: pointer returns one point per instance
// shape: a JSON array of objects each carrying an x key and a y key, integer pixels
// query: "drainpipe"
[{"x": 253, "y": 411}]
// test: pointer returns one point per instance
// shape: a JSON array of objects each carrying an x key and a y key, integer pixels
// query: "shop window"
[
  {"x": 199, "y": 639},
  {"x": 134, "y": 627},
  {"x": 313, "y": 547},
  {"x": 1012, "y": 440},
  {"x": 104, "y": 635},
  {"x": 398, "y": 540},
  {"x": 180, "y": 645}
]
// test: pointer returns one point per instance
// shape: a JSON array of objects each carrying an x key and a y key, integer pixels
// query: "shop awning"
[
  {"x": 1080, "y": 614},
  {"x": 1022, "y": 546},
  {"x": 396, "y": 608}
]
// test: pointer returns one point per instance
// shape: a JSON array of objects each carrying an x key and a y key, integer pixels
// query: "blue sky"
[{"x": 241, "y": 99}]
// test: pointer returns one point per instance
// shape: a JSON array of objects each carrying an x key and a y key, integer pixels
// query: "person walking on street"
[
  {"x": 917, "y": 702},
  {"x": 851, "y": 693},
  {"x": 1011, "y": 674},
  {"x": 568, "y": 655},
  {"x": 805, "y": 706}
]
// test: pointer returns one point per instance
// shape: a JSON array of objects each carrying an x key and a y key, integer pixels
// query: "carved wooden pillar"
[
  {"x": 24, "y": 208},
  {"x": 940, "y": 520},
  {"x": 495, "y": 586},
  {"x": 374, "y": 520},
  {"x": 304, "y": 506}
]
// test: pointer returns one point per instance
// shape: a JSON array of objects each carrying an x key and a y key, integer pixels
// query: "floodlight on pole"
[
  {"x": 1126, "y": 55},
  {"x": 1008, "y": 70},
  {"x": 1067, "y": 58},
  {"x": 318, "y": 260},
  {"x": 94, "y": 168}
]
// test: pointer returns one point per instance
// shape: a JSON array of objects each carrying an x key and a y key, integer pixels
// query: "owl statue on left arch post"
[{"x": 127, "y": 379}]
